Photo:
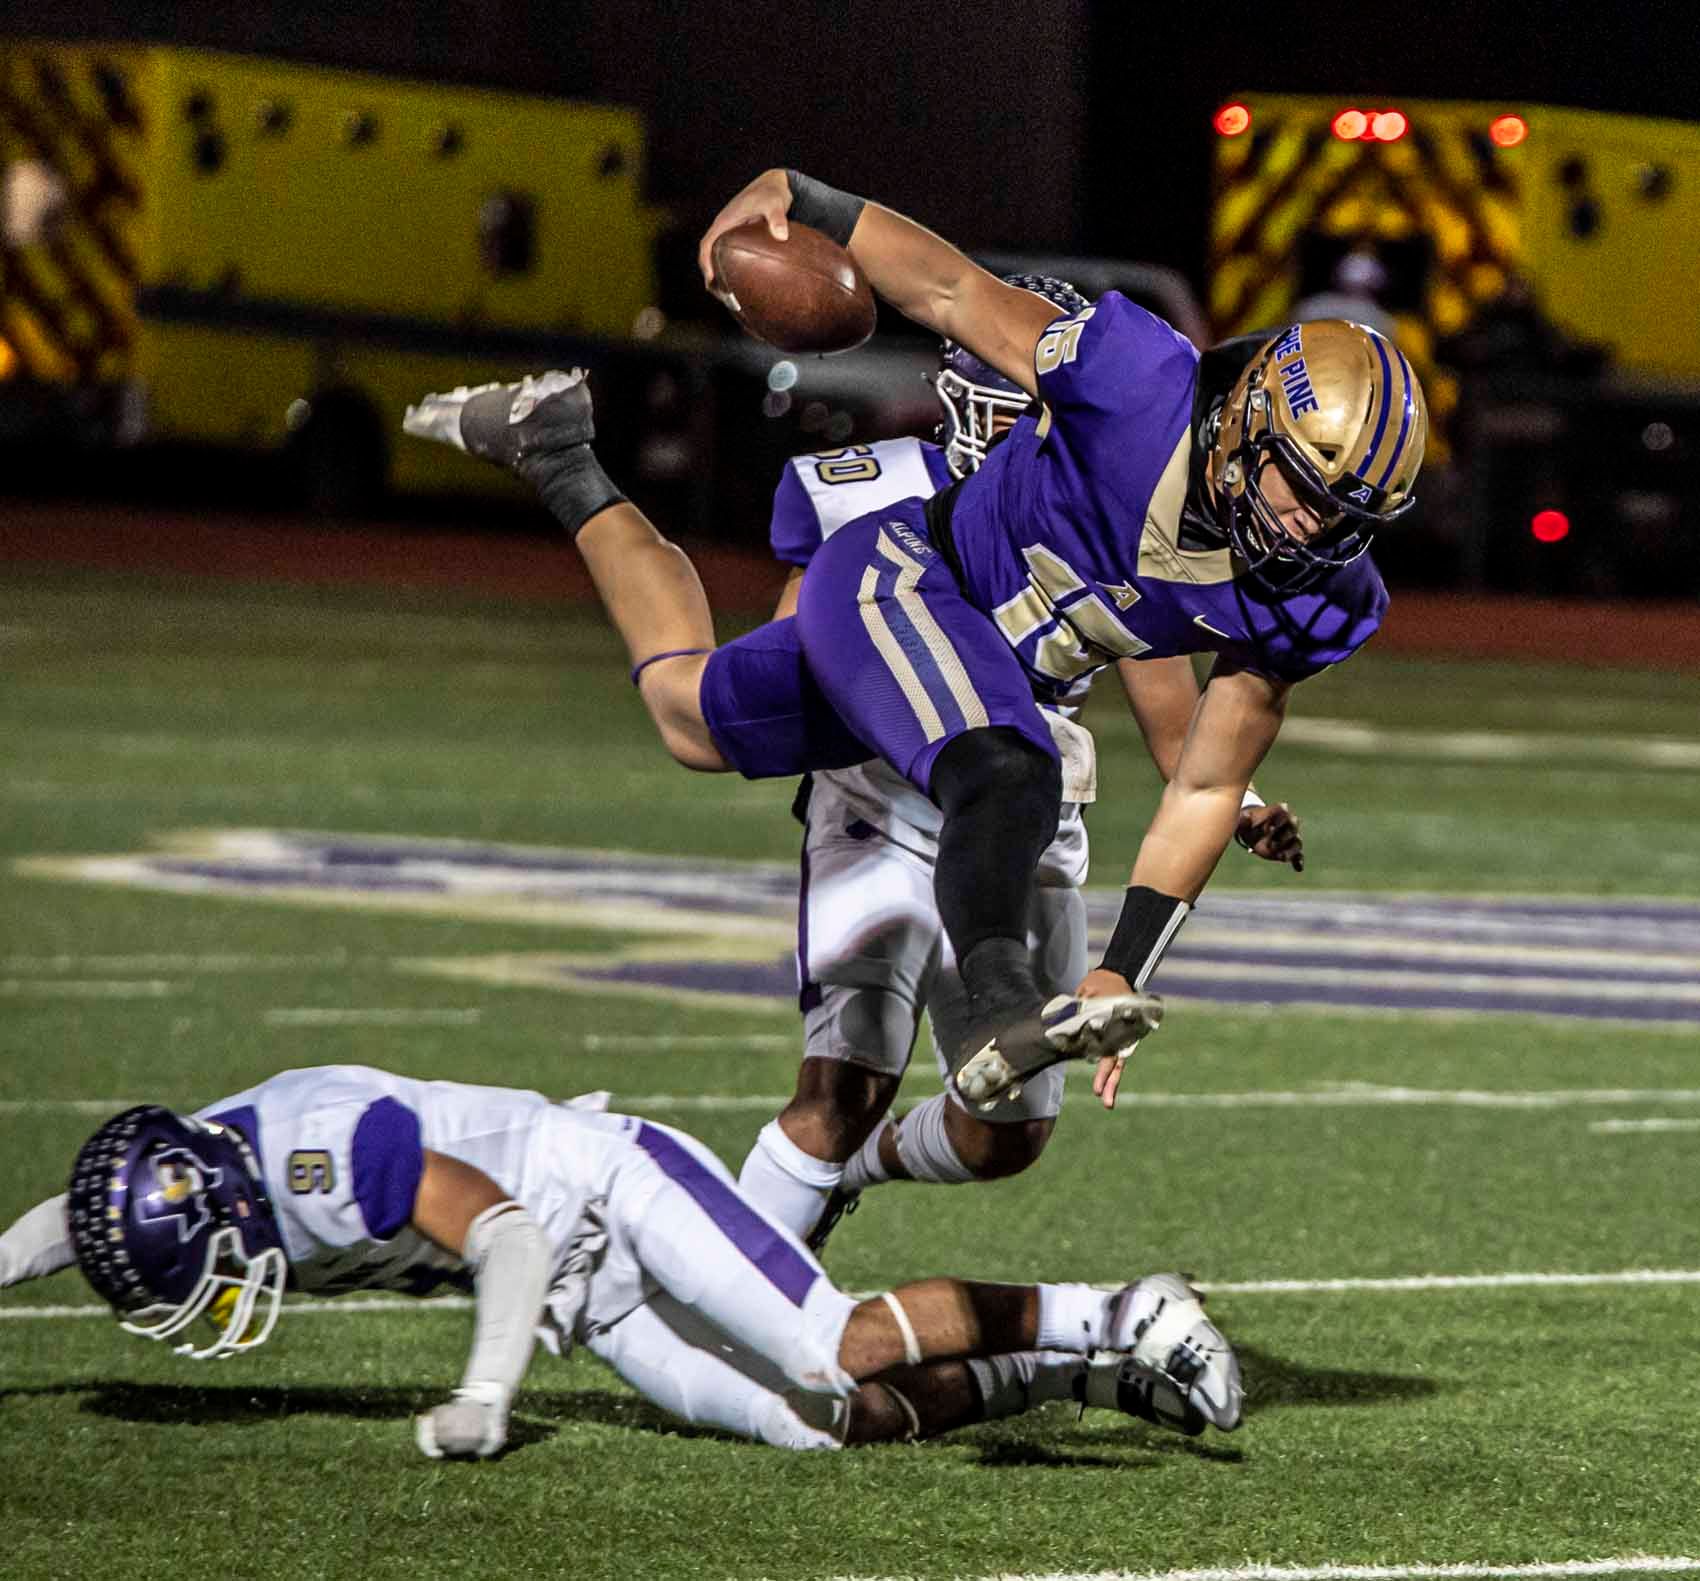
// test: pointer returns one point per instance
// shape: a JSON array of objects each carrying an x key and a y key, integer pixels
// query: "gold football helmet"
[{"x": 1335, "y": 406}]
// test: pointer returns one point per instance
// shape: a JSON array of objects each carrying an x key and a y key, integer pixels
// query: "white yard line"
[
  {"x": 315, "y": 1017},
  {"x": 87, "y": 988},
  {"x": 1306, "y": 1287},
  {"x": 1355, "y": 739},
  {"x": 594, "y": 1042},
  {"x": 1558, "y": 1569},
  {"x": 170, "y": 963},
  {"x": 1629, "y": 1127},
  {"x": 1243, "y": 1287}
]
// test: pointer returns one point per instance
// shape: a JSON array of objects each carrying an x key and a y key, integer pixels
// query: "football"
[{"x": 803, "y": 294}]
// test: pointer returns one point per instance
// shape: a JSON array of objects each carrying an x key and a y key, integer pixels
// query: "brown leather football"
[{"x": 803, "y": 294}]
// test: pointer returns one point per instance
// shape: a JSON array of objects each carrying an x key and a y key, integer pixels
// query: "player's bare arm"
[
  {"x": 1236, "y": 722},
  {"x": 788, "y": 594},
  {"x": 920, "y": 274},
  {"x": 1162, "y": 695},
  {"x": 465, "y": 1212}
]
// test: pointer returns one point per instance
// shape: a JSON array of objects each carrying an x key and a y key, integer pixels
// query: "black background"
[{"x": 1063, "y": 126}]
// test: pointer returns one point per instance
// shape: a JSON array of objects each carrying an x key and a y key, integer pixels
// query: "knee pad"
[{"x": 861, "y": 1025}]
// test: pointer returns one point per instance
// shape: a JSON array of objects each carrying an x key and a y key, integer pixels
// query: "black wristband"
[
  {"x": 1149, "y": 920},
  {"x": 829, "y": 211}
]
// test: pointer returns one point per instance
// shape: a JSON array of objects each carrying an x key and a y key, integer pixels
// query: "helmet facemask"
[
  {"x": 972, "y": 409},
  {"x": 170, "y": 1223},
  {"x": 239, "y": 1296},
  {"x": 980, "y": 404},
  {"x": 1330, "y": 413}
]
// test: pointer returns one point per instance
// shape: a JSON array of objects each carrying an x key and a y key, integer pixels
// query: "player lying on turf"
[
  {"x": 1157, "y": 506},
  {"x": 574, "y": 1225},
  {"x": 871, "y": 947}
]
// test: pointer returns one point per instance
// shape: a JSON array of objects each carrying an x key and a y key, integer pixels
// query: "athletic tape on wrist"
[
  {"x": 1248, "y": 801},
  {"x": 571, "y": 484},
  {"x": 1149, "y": 920},
  {"x": 829, "y": 211}
]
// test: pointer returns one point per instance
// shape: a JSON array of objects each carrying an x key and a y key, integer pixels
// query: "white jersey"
[
  {"x": 342, "y": 1149},
  {"x": 817, "y": 495}
]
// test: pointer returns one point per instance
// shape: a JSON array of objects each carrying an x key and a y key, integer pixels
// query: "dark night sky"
[{"x": 1062, "y": 125}]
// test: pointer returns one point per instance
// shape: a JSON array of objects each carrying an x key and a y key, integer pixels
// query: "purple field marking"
[{"x": 1624, "y": 929}]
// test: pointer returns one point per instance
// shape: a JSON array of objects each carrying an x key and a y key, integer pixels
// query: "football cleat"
[
  {"x": 1159, "y": 1322},
  {"x": 1066, "y": 1028},
  {"x": 508, "y": 423},
  {"x": 839, "y": 1202},
  {"x": 1119, "y": 1383}
]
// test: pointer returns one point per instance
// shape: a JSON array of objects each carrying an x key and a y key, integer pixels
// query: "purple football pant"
[{"x": 884, "y": 654}]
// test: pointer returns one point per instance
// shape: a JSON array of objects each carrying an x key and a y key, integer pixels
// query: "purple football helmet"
[
  {"x": 170, "y": 1222},
  {"x": 974, "y": 394}
]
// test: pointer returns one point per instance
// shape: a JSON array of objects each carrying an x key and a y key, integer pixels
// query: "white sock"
[
  {"x": 1071, "y": 1318},
  {"x": 787, "y": 1184},
  {"x": 1015, "y": 1383},
  {"x": 866, "y": 1169},
  {"x": 924, "y": 1146}
]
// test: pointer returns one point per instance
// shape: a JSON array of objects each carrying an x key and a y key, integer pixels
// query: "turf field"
[{"x": 1457, "y": 1246}]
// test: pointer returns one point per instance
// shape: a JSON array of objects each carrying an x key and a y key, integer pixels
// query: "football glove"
[{"x": 471, "y": 1425}]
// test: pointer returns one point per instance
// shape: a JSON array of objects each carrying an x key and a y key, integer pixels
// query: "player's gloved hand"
[
  {"x": 1272, "y": 832},
  {"x": 1108, "y": 1076},
  {"x": 768, "y": 198},
  {"x": 472, "y": 1425}
]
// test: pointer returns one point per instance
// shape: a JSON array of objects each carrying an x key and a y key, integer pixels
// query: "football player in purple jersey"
[
  {"x": 872, "y": 954},
  {"x": 1159, "y": 504},
  {"x": 572, "y": 1225}
]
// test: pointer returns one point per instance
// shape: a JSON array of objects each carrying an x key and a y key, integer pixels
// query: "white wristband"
[{"x": 1251, "y": 799}]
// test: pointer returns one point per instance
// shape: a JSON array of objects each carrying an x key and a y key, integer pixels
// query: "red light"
[
  {"x": 1549, "y": 526},
  {"x": 1388, "y": 126},
  {"x": 1350, "y": 125},
  {"x": 1508, "y": 130},
  {"x": 1232, "y": 119}
]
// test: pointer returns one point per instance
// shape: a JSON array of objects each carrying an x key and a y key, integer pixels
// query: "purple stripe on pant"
[{"x": 780, "y": 1263}]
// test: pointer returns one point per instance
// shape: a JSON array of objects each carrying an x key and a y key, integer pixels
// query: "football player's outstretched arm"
[
  {"x": 920, "y": 274},
  {"x": 36, "y": 1245},
  {"x": 1162, "y": 695},
  {"x": 1235, "y": 724},
  {"x": 465, "y": 1212}
]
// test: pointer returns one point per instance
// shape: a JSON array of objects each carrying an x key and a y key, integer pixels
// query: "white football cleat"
[
  {"x": 1119, "y": 1383},
  {"x": 1067, "y": 1028},
  {"x": 1159, "y": 1322}
]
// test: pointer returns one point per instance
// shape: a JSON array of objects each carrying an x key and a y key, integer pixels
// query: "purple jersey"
[
  {"x": 1069, "y": 533},
  {"x": 818, "y": 494}
]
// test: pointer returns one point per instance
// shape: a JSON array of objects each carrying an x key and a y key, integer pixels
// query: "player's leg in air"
[
  {"x": 721, "y": 1316},
  {"x": 886, "y": 657}
]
